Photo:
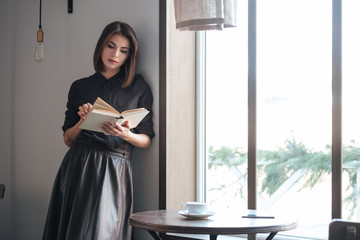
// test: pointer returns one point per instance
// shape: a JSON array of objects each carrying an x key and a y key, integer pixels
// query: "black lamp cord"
[{"x": 40, "y": 14}]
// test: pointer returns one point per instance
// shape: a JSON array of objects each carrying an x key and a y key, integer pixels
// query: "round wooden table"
[{"x": 160, "y": 222}]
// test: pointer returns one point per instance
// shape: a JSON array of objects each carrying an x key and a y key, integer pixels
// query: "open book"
[{"x": 102, "y": 112}]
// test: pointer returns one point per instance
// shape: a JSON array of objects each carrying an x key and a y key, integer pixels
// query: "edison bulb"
[{"x": 39, "y": 52}]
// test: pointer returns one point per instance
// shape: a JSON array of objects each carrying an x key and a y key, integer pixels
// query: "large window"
[
  {"x": 226, "y": 115},
  {"x": 293, "y": 107},
  {"x": 351, "y": 114}
]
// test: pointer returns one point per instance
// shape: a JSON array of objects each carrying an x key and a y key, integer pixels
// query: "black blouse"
[{"x": 86, "y": 90}]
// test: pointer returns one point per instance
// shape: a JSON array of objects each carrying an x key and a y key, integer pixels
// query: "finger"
[
  {"x": 105, "y": 129},
  {"x": 81, "y": 112},
  {"x": 109, "y": 128},
  {"x": 82, "y": 109},
  {"x": 126, "y": 124},
  {"x": 109, "y": 125},
  {"x": 87, "y": 106},
  {"x": 117, "y": 125}
]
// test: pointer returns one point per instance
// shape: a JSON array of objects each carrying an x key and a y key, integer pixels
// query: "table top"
[{"x": 170, "y": 221}]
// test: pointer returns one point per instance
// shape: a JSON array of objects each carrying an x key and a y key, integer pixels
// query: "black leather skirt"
[{"x": 92, "y": 197}]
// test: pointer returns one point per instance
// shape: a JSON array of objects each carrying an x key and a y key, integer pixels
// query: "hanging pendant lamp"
[
  {"x": 39, "y": 51},
  {"x": 199, "y": 15}
]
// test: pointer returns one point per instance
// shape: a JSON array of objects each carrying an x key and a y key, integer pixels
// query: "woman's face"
[{"x": 115, "y": 53}]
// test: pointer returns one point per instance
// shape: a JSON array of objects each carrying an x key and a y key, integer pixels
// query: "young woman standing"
[{"x": 92, "y": 197}]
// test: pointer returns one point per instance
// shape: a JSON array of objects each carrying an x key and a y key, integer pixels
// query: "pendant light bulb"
[{"x": 39, "y": 51}]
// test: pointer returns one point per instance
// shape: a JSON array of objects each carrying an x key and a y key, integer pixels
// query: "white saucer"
[{"x": 196, "y": 215}]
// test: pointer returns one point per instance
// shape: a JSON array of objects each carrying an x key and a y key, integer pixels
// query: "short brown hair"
[{"x": 128, "y": 68}]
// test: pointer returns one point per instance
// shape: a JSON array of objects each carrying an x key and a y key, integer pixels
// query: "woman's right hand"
[
  {"x": 84, "y": 110},
  {"x": 71, "y": 133}
]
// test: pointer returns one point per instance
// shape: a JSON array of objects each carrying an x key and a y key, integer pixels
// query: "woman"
[{"x": 92, "y": 195}]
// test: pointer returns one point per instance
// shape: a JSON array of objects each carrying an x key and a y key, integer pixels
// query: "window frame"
[{"x": 336, "y": 110}]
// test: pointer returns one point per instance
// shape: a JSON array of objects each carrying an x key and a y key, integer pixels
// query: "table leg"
[
  {"x": 154, "y": 235},
  {"x": 271, "y": 236},
  {"x": 213, "y": 237},
  {"x": 251, "y": 236},
  {"x": 163, "y": 236}
]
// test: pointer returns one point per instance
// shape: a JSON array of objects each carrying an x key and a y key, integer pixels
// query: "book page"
[
  {"x": 132, "y": 111},
  {"x": 102, "y": 106},
  {"x": 134, "y": 116},
  {"x": 106, "y": 112},
  {"x": 94, "y": 121}
]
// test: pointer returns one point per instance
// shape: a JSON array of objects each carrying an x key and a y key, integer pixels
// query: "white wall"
[{"x": 33, "y": 97}]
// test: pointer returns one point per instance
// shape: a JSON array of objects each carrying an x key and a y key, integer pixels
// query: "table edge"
[{"x": 215, "y": 230}]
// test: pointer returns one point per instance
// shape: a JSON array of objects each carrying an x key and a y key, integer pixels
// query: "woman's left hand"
[
  {"x": 140, "y": 140},
  {"x": 117, "y": 130}
]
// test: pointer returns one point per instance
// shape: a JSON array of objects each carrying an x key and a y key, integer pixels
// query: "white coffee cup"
[{"x": 194, "y": 207}]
